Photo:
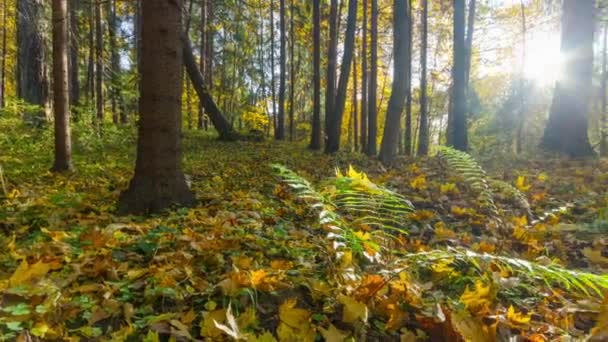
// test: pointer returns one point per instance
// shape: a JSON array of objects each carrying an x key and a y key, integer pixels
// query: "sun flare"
[{"x": 543, "y": 62}]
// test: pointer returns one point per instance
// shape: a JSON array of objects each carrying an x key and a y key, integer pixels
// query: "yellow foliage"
[
  {"x": 521, "y": 184},
  {"x": 353, "y": 310},
  {"x": 418, "y": 183},
  {"x": 518, "y": 318},
  {"x": 295, "y": 323},
  {"x": 479, "y": 299}
]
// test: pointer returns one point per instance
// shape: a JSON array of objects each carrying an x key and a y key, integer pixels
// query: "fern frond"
[
  {"x": 512, "y": 192},
  {"x": 574, "y": 281}
]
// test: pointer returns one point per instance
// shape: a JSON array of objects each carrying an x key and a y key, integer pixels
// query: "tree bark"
[
  {"x": 566, "y": 131},
  {"x": 364, "y": 76},
  {"x": 335, "y": 119},
  {"x": 459, "y": 72},
  {"x": 292, "y": 72},
  {"x": 218, "y": 120},
  {"x": 159, "y": 181},
  {"x": 3, "y": 56},
  {"x": 332, "y": 55},
  {"x": 423, "y": 138},
  {"x": 90, "y": 84},
  {"x": 202, "y": 62},
  {"x": 114, "y": 64},
  {"x": 32, "y": 83},
  {"x": 74, "y": 45},
  {"x": 407, "y": 141},
  {"x": 355, "y": 113},
  {"x": 61, "y": 103},
  {"x": 99, "y": 100},
  {"x": 315, "y": 138},
  {"x": 372, "y": 111},
  {"x": 390, "y": 141},
  {"x": 272, "y": 67},
  {"x": 280, "y": 132}
]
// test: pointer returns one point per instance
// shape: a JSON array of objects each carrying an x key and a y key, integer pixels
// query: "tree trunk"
[
  {"x": 335, "y": 118},
  {"x": 114, "y": 63},
  {"x": 364, "y": 76},
  {"x": 521, "y": 119},
  {"x": 280, "y": 132},
  {"x": 272, "y": 67},
  {"x": 3, "y": 56},
  {"x": 74, "y": 45},
  {"x": 459, "y": 78},
  {"x": 99, "y": 103},
  {"x": 90, "y": 84},
  {"x": 423, "y": 138},
  {"x": 292, "y": 73},
  {"x": 220, "y": 123},
  {"x": 372, "y": 111},
  {"x": 604, "y": 88},
  {"x": 31, "y": 78},
  {"x": 332, "y": 55},
  {"x": 61, "y": 103},
  {"x": 202, "y": 63},
  {"x": 159, "y": 181},
  {"x": 315, "y": 138},
  {"x": 354, "y": 103},
  {"x": 407, "y": 141},
  {"x": 566, "y": 130},
  {"x": 390, "y": 141},
  {"x": 469, "y": 39}
]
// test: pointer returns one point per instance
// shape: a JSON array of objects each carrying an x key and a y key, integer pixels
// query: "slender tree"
[
  {"x": 3, "y": 56},
  {"x": 390, "y": 140},
  {"x": 315, "y": 138},
  {"x": 355, "y": 111},
  {"x": 364, "y": 76},
  {"x": 292, "y": 71},
  {"x": 32, "y": 83},
  {"x": 335, "y": 118},
  {"x": 372, "y": 110},
  {"x": 159, "y": 181},
  {"x": 61, "y": 103},
  {"x": 272, "y": 67},
  {"x": 407, "y": 141},
  {"x": 332, "y": 55},
  {"x": 459, "y": 72},
  {"x": 74, "y": 47},
  {"x": 202, "y": 63},
  {"x": 423, "y": 137},
  {"x": 566, "y": 130},
  {"x": 99, "y": 99},
  {"x": 90, "y": 82},
  {"x": 604, "y": 88},
  {"x": 114, "y": 62}
]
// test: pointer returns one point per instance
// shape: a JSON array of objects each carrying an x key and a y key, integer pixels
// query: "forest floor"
[{"x": 253, "y": 261}]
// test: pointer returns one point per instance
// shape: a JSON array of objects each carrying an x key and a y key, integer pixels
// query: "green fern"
[
  {"x": 574, "y": 281},
  {"x": 511, "y": 192}
]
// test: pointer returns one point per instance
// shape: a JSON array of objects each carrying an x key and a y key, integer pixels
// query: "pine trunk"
[
  {"x": 423, "y": 138},
  {"x": 315, "y": 139}
]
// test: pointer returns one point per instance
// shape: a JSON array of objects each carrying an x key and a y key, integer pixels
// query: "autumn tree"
[
  {"x": 315, "y": 138},
  {"x": 280, "y": 131},
  {"x": 407, "y": 139},
  {"x": 159, "y": 181},
  {"x": 364, "y": 77},
  {"x": 335, "y": 117},
  {"x": 32, "y": 83},
  {"x": 566, "y": 130},
  {"x": 61, "y": 103},
  {"x": 390, "y": 141},
  {"x": 372, "y": 96}
]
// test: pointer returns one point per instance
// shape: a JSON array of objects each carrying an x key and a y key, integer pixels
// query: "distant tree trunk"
[
  {"x": 469, "y": 36},
  {"x": 3, "y": 56},
  {"x": 188, "y": 102},
  {"x": 159, "y": 181},
  {"x": 74, "y": 45},
  {"x": 114, "y": 63},
  {"x": 61, "y": 103},
  {"x": 335, "y": 118},
  {"x": 315, "y": 138},
  {"x": 272, "y": 67},
  {"x": 354, "y": 103},
  {"x": 372, "y": 110},
  {"x": 364, "y": 74},
  {"x": 407, "y": 141},
  {"x": 459, "y": 78},
  {"x": 390, "y": 140},
  {"x": 90, "y": 84},
  {"x": 521, "y": 119},
  {"x": 604, "y": 120},
  {"x": 280, "y": 132},
  {"x": 210, "y": 50},
  {"x": 332, "y": 55},
  {"x": 223, "y": 127},
  {"x": 292, "y": 73},
  {"x": 202, "y": 63},
  {"x": 32, "y": 82},
  {"x": 423, "y": 138},
  {"x": 99, "y": 64},
  {"x": 566, "y": 130}
]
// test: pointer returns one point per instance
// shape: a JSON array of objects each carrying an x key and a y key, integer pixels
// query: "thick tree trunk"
[
  {"x": 315, "y": 139},
  {"x": 220, "y": 123},
  {"x": 74, "y": 45},
  {"x": 459, "y": 72},
  {"x": 335, "y": 119},
  {"x": 99, "y": 100},
  {"x": 372, "y": 110},
  {"x": 423, "y": 138},
  {"x": 566, "y": 130},
  {"x": 3, "y": 56},
  {"x": 280, "y": 132},
  {"x": 61, "y": 103},
  {"x": 364, "y": 76},
  {"x": 332, "y": 55},
  {"x": 32, "y": 83},
  {"x": 390, "y": 141},
  {"x": 159, "y": 181},
  {"x": 407, "y": 141}
]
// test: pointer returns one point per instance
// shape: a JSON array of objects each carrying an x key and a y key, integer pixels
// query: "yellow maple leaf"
[
  {"x": 418, "y": 183},
  {"x": 26, "y": 273},
  {"x": 295, "y": 323},
  {"x": 518, "y": 318},
  {"x": 478, "y": 299},
  {"x": 520, "y": 184},
  {"x": 333, "y": 334},
  {"x": 353, "y": 310}
]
